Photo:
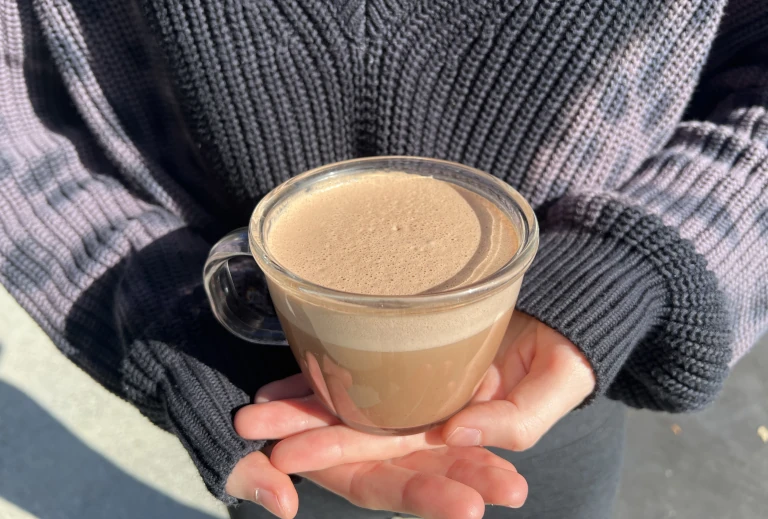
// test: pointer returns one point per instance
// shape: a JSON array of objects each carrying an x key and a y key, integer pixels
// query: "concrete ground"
[{"x": 71, "y": 450}]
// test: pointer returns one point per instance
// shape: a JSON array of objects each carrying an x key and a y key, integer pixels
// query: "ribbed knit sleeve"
[
  {"x": 662, "y": 278},
  {"x": 102, "y": 247}
]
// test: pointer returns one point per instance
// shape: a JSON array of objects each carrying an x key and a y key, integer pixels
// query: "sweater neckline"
[{"x": 362, "y": 20}]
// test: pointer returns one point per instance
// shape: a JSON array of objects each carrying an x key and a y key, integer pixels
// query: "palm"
[{"x": 443, "y": 483}]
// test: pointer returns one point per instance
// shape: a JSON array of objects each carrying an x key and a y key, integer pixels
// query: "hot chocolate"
[{"x": 392, "y": 234}]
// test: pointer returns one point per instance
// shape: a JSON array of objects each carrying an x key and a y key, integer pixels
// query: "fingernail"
[
  {"x": 269, "y": 501},
  {"x": 464, "y": 437}
]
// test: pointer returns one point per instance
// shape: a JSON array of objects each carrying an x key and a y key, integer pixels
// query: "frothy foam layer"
[
  {"x": 392, "y": 332},
  {"x": 392, "y": 234}
]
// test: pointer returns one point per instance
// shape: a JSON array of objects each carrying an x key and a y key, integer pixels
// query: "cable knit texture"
[{"x": 134, "y": 133}]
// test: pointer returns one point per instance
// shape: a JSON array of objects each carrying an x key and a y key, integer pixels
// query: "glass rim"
[{"x": 511, "y": 271}]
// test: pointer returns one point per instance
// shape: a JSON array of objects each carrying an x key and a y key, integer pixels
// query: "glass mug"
[{"x": 381, "y": 364}]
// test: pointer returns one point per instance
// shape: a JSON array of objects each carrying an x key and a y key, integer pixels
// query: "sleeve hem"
[
  {"x": 180, "y": 367},
  {"x": 636, "y": 299}
]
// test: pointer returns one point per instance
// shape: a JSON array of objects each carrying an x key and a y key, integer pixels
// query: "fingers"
[
  {"x": 558, "y": 380},
  {"x": 513, "y": 360},
  {"x": 295, "y": 386},
  {"x": 282, "y": 418},
  {"x": 255, "y": 479},
  {"x": 496, "y": 484},
  {"x": 335, "y": 445},
  {"x": 383, "y": 486}
]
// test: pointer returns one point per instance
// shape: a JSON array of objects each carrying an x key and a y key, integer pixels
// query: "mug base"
[
  {"x": 401, "y": 431},
  {"x": 393, "y": 431}
]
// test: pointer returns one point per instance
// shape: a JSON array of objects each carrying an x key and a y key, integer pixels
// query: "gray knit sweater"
[{"x": 134, "y": 134}]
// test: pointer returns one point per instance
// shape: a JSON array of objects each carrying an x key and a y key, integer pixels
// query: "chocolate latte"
[{"x": 392, "y": 234}]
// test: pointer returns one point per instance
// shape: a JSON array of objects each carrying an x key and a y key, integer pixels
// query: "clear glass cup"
[{"x": 359, "y": 352}]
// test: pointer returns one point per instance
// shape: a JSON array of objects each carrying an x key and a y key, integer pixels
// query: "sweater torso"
[{"x": 551, "y": 96}]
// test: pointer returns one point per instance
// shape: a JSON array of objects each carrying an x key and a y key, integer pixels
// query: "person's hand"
[
  {"x": 538, "y": 376},
  {"x": 255, "y": 479},
  {"x": 445, "y": 483},
  {"x": 413, "y": 474}
]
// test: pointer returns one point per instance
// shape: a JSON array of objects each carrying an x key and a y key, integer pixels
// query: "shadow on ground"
[
  {"x": 710, "y": 465},
  {"x": 51, "y": 474}
]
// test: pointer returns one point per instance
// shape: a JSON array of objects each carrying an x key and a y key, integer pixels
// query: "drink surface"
[{"x": 392, "y": 234}]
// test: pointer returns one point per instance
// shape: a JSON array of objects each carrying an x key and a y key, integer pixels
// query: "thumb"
[
  {"x": 559, "y": 379},
  {"x": 255, "y": 479}
]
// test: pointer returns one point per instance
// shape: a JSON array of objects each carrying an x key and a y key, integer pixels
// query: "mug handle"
[{"x": 240, "y": 319}]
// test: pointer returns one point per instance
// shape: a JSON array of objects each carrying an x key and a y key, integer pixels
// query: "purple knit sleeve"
[
  {"x": 103, "y": 248},
  {"x": 661, "y": 276}
]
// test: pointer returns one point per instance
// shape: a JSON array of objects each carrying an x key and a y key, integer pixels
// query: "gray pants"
[{"x": 572, "y": 473}]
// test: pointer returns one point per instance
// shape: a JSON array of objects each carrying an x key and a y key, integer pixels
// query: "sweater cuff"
[
  {"x": 180, "y": 367},
  {"x": 194, "y": 402},
  {"x": 635, "y": 298}
]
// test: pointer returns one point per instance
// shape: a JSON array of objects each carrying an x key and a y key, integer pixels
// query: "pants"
[{"x": 572, "y": 473}]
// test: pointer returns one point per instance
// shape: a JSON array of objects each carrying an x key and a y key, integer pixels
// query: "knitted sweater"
[{"x": 134, "y": 134}]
